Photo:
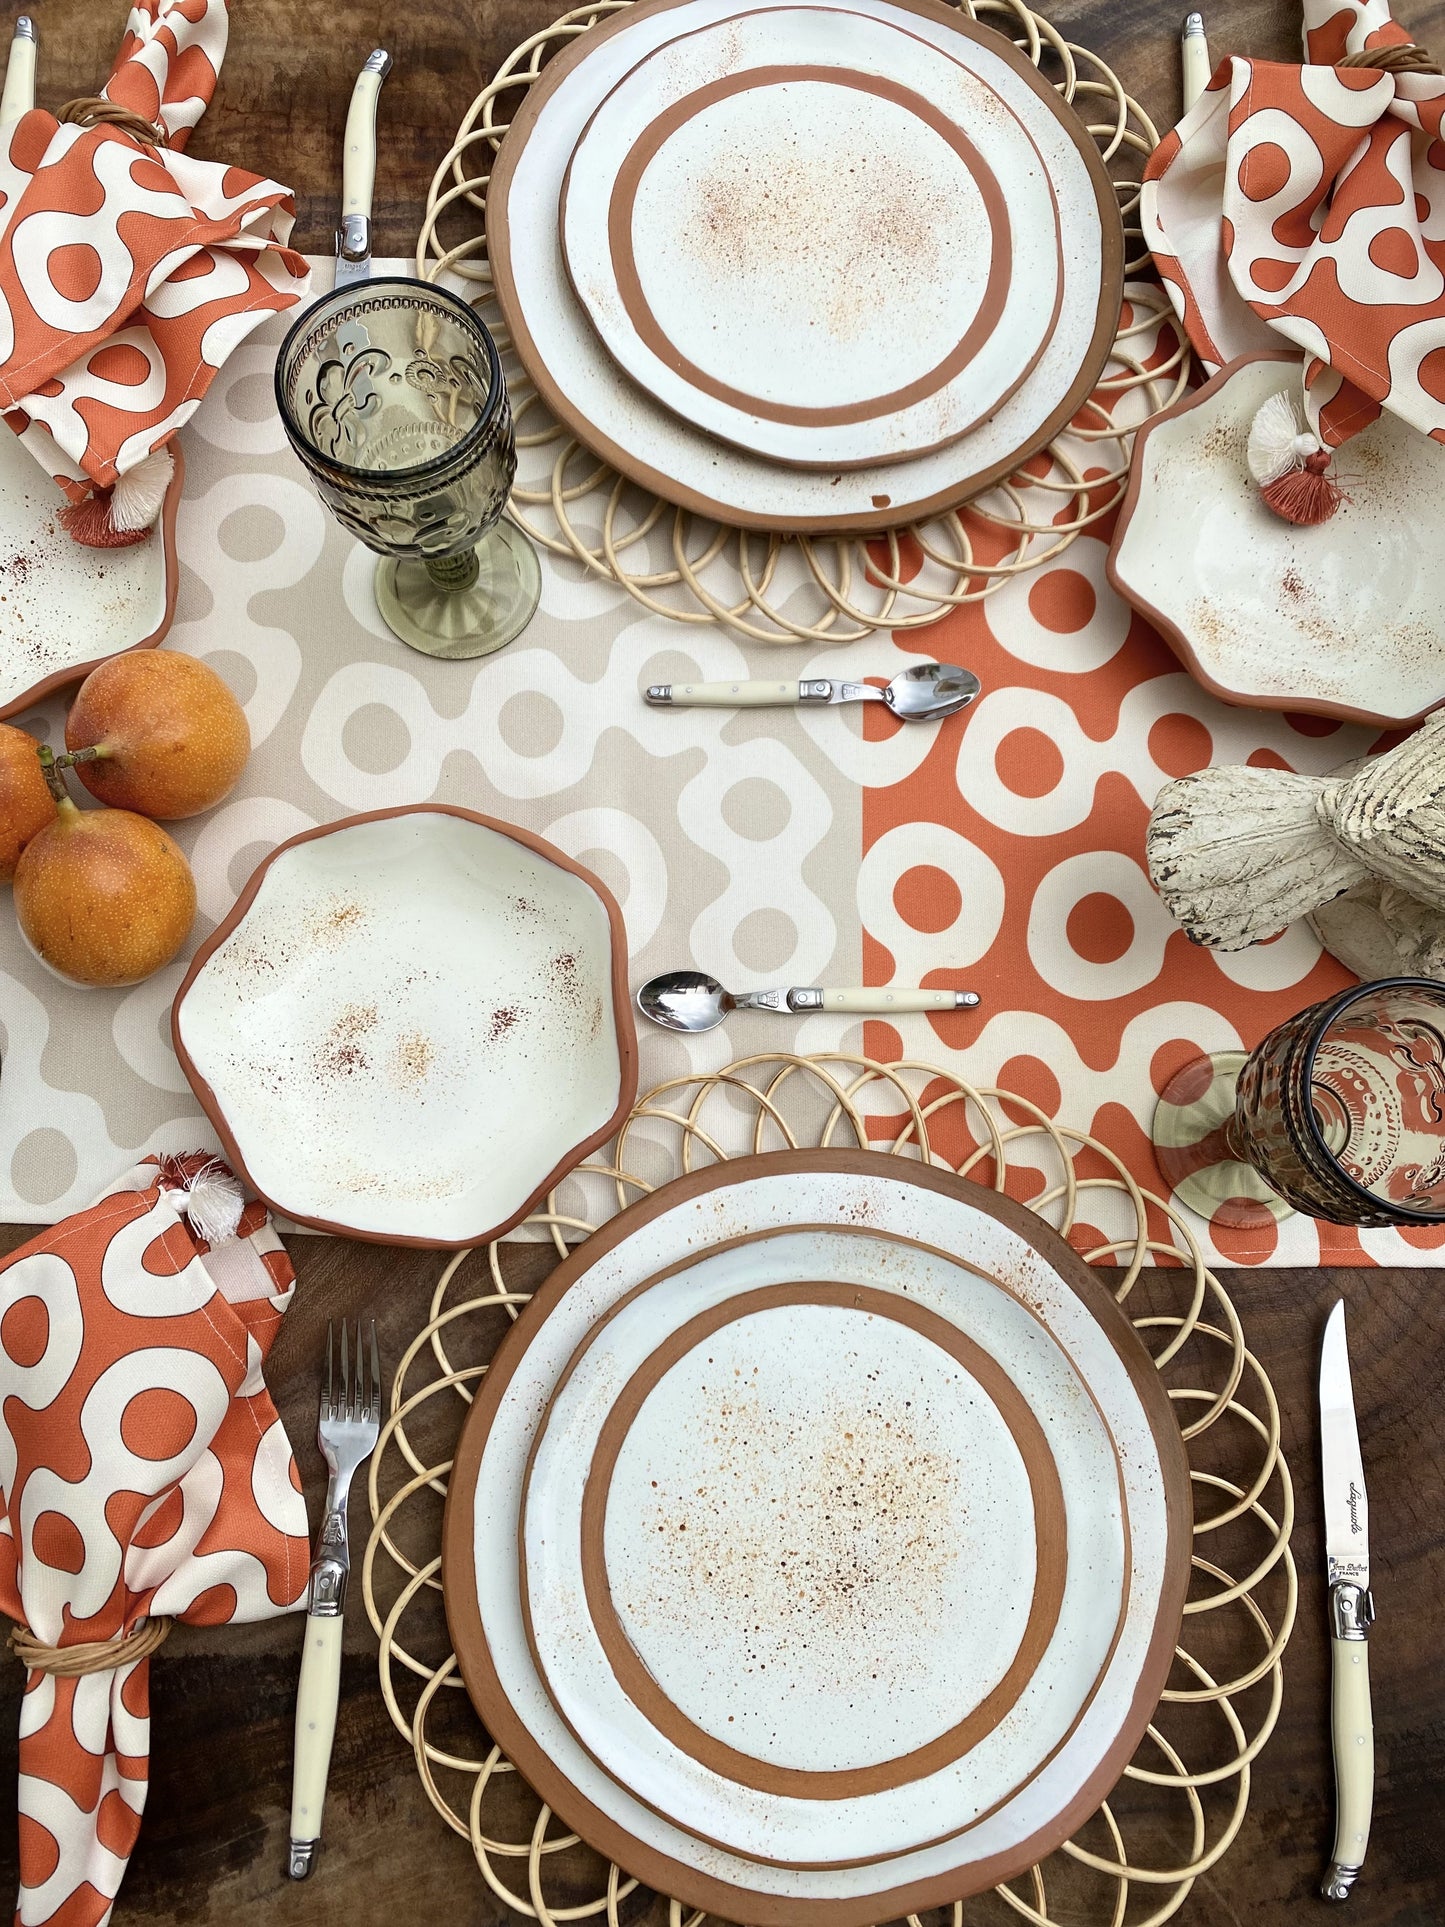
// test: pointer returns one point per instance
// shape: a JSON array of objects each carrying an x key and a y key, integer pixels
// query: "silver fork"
[{"x": 346, "y": 1431}]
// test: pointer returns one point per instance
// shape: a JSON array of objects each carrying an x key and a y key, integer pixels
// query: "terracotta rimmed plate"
[
  {"x": 815, "y": 236},
  {"x": 481, "y": 1569},
  {"x": 581, "y": 384},
  {"x": 772, "y": 1486},
  {"x": 64, "y": 608},
  {"x": 1346, "y": 619},
  {"x": 412, "y": 1025}
]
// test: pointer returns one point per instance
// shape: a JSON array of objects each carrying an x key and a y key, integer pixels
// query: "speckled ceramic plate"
[
  {"x": 65, "y": 608},
  {"x": 1346, "y": 619},
  {"x": 716, "y": 1335},
  {"x": 815, "y": 235},
  {"x": 411, "y": 1025},
  {"x": 585, "y": 388},
  {"x": 771, "y": 1488}
]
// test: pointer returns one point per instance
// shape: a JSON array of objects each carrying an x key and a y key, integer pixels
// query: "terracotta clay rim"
[
  {"x": 609, "y": 1837},
  {"x": 890, "y": 515},
  {"x": 1171, "y": 632},
  {"x": 623, "y": 1025},
  {"x": 764, "y": 1236},
  {"x": 631, "y": 291},
  {"x": 77, "y": 672}
]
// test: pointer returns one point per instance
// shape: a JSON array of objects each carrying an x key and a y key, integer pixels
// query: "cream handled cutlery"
[
  {"x": 1352, "y": 1611},
  {"x": 358, "y": 171},
  {"x": 924, "y": 693},
  {"x": 346, "y": 1431},
  {"x": 691, "y": 1000}
]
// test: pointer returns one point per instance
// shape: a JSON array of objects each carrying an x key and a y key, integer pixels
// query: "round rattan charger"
[
  {"x": 833, "y": 589},
  {"x": 1181, "y": 1802}
]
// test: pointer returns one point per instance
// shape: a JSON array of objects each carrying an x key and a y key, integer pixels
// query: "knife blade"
[
  {"x": 358, "y": 172},
  {"x": 1352, "y": 1610}
]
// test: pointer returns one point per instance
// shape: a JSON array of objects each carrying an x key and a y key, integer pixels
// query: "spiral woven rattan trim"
[
  {"x": 823, "y": 589},
  {"x": 1179, "y": 1807},
  {"x": 88, "y": 1656}
]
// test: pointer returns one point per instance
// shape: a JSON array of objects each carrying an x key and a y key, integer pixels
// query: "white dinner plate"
[
  {"x": 814, "y": 235},
  {"x": 1076, "y": 1315},
  {"x": 411, "y": 1025},
  {"x": 609, "y": 413},
  {"x": 772, "y": 1490}
]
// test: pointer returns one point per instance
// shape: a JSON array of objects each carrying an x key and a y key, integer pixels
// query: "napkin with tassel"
[
  {"x": 129, "y": 271},
  {"x": 1309, "y": 203},
  {"x": 144, "y": 1476}
]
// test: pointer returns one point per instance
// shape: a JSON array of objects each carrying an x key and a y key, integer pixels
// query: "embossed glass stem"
[
  {"x": 454, "y": 571},
  {"x": 391, "y": 393}
]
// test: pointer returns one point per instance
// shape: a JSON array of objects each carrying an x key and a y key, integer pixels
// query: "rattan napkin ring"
[
  {"x": 92, "y": 110},
  {"x": 88, "y": 1656}
]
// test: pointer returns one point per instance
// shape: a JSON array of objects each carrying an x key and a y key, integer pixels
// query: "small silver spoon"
[
  {"x": 924, "y": 693},
  {"x": 691, "y": 1000}
]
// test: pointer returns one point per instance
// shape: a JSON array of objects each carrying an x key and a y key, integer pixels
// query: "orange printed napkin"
[
  {"x": 143, "y": 1473},
  {"x": 128, "y": 271},
  {"x": 1308, "y": 203}
]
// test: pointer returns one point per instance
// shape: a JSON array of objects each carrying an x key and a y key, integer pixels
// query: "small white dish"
[
  {"x": 822, "y": 239},
  {"x": 1345, "y": 619},
  {"x": 65, "y": 608},
  {"x": 411, "y": 1025}
]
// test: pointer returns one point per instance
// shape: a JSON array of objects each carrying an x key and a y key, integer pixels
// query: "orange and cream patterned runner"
[{"x": 1004, "y": 850}]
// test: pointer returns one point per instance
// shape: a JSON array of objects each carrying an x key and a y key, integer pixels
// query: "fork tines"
[{"x": 360, "y": 1390}]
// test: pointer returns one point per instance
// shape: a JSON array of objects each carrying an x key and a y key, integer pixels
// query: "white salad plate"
[
  {"x": 411, "y": 1025},
  {"x": 814, "y": 235},
  {"x": 772, "y": 1488},
  {"x": 66, "y": 608},
  {"x": 1344, "y": 619},
  {"x": 851, "y": 1360},
  {"x": 581, "y": 383}
]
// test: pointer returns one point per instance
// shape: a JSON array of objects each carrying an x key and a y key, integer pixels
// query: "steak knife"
[{"x": 1352, "y": 1611}]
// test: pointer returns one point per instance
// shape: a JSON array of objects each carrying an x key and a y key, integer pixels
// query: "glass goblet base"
[
  {"x": 488, "y": 609},
  {"x": 1194, "y": 1150}
]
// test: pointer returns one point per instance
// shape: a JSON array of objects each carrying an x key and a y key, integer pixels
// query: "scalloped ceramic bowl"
[
  {"x": 412, "y": 1025},
  {"x": 65, "y": 609},
  {"x": 1347, "y": 619}
]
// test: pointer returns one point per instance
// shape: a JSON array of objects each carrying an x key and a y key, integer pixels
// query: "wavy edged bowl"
[
  {"x": 64, "y": 608},
  {"x": 1346, "y": 619},
  {"x": 412, "y": 1024}
]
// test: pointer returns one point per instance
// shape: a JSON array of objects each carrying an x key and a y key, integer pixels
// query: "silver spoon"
[
  {"x": 691, "y": 1000},
  {"x": 924, "y": 693}
]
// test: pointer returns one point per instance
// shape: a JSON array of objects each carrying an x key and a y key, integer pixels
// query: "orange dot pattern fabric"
[
  {"x": 1306, "y": 206},
  {"x": 128, "y": 273},
  {"x": 143, "y": 1472},
  {"x": 1003, "y": 852}
]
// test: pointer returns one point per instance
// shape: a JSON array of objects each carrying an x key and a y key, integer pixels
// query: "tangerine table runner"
[{"x": 1002, "y": 850}]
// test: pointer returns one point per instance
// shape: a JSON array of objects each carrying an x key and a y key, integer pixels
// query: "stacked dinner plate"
[
  {"x": 817, "y": 1543},
  {"x": 804, "y": 266}
]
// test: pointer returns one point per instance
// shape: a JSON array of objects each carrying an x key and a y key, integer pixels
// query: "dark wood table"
[{"x": 215, "y": 1827}]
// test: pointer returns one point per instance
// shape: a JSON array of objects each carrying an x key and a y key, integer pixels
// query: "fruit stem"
[
  {"x": 52, "y": 767},
  {"x": 74, "y": 756}
]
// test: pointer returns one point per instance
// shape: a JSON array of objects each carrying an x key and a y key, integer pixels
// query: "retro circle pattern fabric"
[
  {"x": 143, "y": 1472},
  {"x": 1003, "y": 851},
  {"x": 1330, "y": 224},
  {"x": 128, "y": 274}
]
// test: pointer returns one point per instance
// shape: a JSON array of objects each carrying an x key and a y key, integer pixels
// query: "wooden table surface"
[{"x": 215, "y": 1827}]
